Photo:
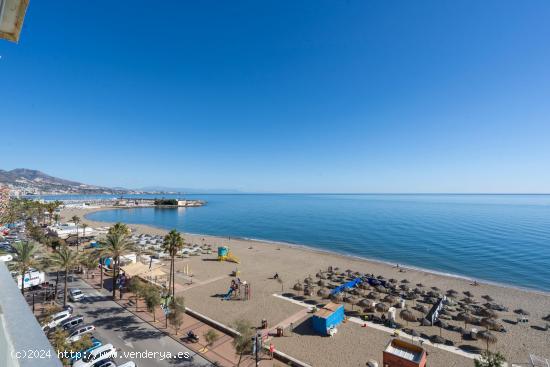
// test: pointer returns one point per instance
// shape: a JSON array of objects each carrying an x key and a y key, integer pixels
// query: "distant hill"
[
  {"x": 29, "y": 181},
  {"x": 183, "y": 190}
]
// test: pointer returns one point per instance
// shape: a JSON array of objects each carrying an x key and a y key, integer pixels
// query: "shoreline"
[{"x": 310, "y": 248}]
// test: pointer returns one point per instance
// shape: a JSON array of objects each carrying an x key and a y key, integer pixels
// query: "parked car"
[
  {"x": 96, "y": 343},
  {"x": 57, "y": 319},
  {"x": 76, "y": 333},
  {"x": 72, "y": 322},
  {"x": 102, "y": 353},
  {"x": 76, "y": 294},
  {"x": 105, "y": 363}
]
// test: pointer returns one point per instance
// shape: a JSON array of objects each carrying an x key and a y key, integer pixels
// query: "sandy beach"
[{"x": 353, "y": 345}]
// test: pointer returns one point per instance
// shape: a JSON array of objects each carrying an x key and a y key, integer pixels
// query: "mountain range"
[{"x": 29, "y": 181}]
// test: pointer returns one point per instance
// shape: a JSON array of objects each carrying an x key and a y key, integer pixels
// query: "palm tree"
[
  {"x": 84, "y": 226},
  {"x": 116, "y": 245},
  {"x": 89, "y": 261},
  {"x": 76, "y": 220},
  {"x": 24, "y": 259},
  {"x": 173, "y": 242},
  {"x": 56, "y": 218},
  {"x": 64, "y": 259}
]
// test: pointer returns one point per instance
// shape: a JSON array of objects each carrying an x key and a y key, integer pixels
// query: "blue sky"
[{"x": 282, "y": 96}]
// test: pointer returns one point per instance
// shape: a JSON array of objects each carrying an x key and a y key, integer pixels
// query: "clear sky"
[{"x": 282, "y": 96}]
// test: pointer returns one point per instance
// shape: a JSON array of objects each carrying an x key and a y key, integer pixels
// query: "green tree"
[
  {"x": 243, "y": 342},
  {"x": 490, "y": 359},
  {"x": 89, "y": 262},
  {"x": 211, "y": 337},
  {"x": 24, "y": 259},
  {"x": 177, "y": 310},
  {"x": 152, "y": 299},
  {"x": 56, "y": 218},
  {"x": 64, "y": 259},
  {"x": 137, "y": 287},
  {"x": 173, "y": 242},
  {"x": 116, "y": 245}
]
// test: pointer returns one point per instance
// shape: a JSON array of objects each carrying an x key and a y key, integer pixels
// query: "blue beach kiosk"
[{"x": 328, "y": 317}]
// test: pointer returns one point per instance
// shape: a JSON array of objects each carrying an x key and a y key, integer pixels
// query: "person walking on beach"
[{"x": 271, "y": 350}]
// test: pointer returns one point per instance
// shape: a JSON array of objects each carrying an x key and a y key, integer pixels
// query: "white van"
[
  {"x": 99, "y": 354},
  {"x": 57, "y": 319},
  {"x": 32, "y": 278},
  {"x": 76, "y": 333}
]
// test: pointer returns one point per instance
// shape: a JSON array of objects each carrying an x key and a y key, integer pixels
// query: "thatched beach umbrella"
[
  {"x": 380, "y": 289},
  {"x": 489, "y": 338},
  {"x": 452, "y": 293},
  {"x": 414, "y": 334},
  {"x": 364, "y": 302},
  {"x": 421, "y": 308},
  {"x": 372, "y": 363},
  {"x": 468, "y": 294},
  {"x": 392, "y": 280},
  {"x": 420, "y": 285},
  {"x": 469, "y": 300},
  {"x": 369, "y": 308},
  {"x": 436, "y": 339},
  {"x": 405, "y": 281},
  {"x": 372, "y": 295},
  {"x": 466, "y": 317},
  {"x": 488, "y": 298},
  {"x": 404, "y": 287},
  {"x": 337, "y": 298},
  {"x": 323, "y": 293},
  {"x": 321, "y": 283},
  {"x": 407, "y": 315},
  {"x": 488, "y": 323},
  {"x": 435, "y": 289},
  {"x": 382, "y": 307},
  {"x": 417, "y": 290},
  {"x": 389, "y": 299},
  {"x": 547, "y": 317},
  {"x": 298, "y": 287},
  {"x": 442, "y": 325},
  {"x": 352, "y": 301},
  {"x": 521, "y": 311},
  {"x": 425, "y": 322},
  {"x": 487, "y": 312}
]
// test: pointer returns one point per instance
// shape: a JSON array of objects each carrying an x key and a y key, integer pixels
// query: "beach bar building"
[
  {"x": 328, "y": 317},
  {"x": 400, "y": 353}
]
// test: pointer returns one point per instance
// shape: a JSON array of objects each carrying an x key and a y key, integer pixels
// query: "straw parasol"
[
  {"x": 337, "y": 298},
  {"x": 364, "y": 302},
  {"x": 323, "y": 293},
  {"x": 352, "y": 301},
  {"x": 452, "y": 293},
  {"x": 414, "y": 334},
  {"x": 404, "y": 287},
  {"x": 298, "y": 287},
  {"x": 547, "y": 317},
  {"x": 436, "y": 289},
  {"x": 421, "y": 308},
  {"x": 488, "y": 323},
  {"x": 442, "y": 325},
  {"x": 372, "y": 295},
  {"x": 420, "y": 285},
  {"x": 380, "y": 289},
  {"x": 437, "y": 339},
  {"x": 425, "y": 322},
  {"x": 389, "y": 299},
  {"x": 321, "y": 283},
  {"x": 369, "y": 308},
  {"x": 372, "y": 363},
  {"x": 487, "y": 312},
  {"x": 488, "y": 298},
  {"x": 489, "y": 337},
  {"x": 405, "y": 281},
  {"x": 521, "y": 311},
  {"x": 382, "y": 307},
  {"x": 392, "y": 280},
  {"x": 466, "y": 317},
  {"x": 468, "y": 294},
  {"x": 407, "y": 315}
]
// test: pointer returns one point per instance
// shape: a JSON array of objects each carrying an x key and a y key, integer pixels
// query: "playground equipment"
[
  {"x": 238, "y": 289},
  {"x": 327, "y": 318},
  {"x": 225, "y": 255}
]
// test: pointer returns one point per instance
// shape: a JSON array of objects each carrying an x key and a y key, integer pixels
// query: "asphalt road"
[{"x": 128, "y": 333}]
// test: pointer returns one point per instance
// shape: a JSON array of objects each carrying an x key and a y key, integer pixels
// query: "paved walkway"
[{"x": 388, "y": 330}]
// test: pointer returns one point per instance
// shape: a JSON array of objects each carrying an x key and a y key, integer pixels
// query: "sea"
[{"x": 503, "y": 239}]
